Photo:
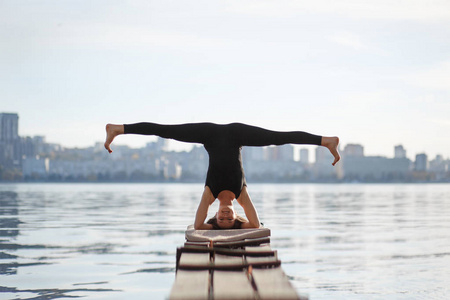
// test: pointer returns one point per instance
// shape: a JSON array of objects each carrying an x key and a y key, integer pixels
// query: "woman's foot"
[
  {"x": 111, "y": 132},
  {"x": 332, "y": 144}
]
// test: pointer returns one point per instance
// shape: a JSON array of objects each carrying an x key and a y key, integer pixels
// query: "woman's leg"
[
  {"x": 256, "y": 136},
  {"x": 190, "y": 133}
]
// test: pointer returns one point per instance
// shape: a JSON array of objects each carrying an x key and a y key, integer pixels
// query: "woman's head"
[
  {"x": 225, "y": 216},
  {"x": 227, "y": 223}
]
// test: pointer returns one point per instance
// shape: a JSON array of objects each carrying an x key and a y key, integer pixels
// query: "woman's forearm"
[
  {"x": 250, "y": 211},
  {"x": 202, "y": 210}
]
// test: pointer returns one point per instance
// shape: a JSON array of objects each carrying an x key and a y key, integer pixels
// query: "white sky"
[{"x": 372, "y": 72}]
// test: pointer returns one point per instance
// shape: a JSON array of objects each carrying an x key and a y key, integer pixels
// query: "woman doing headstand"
[{"x": 225, "y": 178}]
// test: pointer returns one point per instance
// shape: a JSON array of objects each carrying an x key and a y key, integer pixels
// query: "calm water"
[{"x": 118, "y": 241}]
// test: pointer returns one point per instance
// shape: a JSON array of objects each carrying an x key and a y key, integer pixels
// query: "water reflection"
[
  {"x": 76, "y": 236},
  {"x": 367, "y": 241},
  {"x": 118, "y": 241},
  {"x": 9, "y": 230}
]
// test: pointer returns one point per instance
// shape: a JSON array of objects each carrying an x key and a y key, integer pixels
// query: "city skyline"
[
  {"x": 33, "y": 159},
  {"x": 375, "y": 74},
  {"x": 352, "y": 149}
]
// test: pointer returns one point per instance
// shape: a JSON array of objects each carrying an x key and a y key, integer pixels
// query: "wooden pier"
[{"x": 229, "y": 264}]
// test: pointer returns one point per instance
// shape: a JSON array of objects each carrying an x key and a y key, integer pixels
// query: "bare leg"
[
  {"x": 332, "y": 144},
  {"x": 111, "y": 132}
]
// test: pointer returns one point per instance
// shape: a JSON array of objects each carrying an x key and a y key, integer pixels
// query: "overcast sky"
[{"x": 374, "y": 72}]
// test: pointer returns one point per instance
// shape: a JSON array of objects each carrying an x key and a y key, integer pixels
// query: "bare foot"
[
  {"x": 111, "y": 132},
  {"x": 332, "y": 144}
]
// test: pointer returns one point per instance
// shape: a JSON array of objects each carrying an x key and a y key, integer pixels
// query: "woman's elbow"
[
  {"x": 202, "y": 226},
  {"x": 251, "y": 225},
  {"x": 254, "y": 225}
]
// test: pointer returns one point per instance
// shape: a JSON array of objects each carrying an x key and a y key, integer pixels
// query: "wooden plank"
[
  {"x": 246, "y": 242},
  {"x": 194, "y": 259},
  {"x": 190, "y": 285},
  {"x": 261, "y": 248},
  {"x": 273, "y": 284},
  {"x": 205, "y": 244},
  {"x": 226, "y": 260},
  {"x": 232, "y": 285},
  {"x": 226, "y": 251},
  {"x": 261, "y": 259}
]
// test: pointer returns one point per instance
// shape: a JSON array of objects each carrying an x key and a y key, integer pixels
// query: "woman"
[{"x": 225, "y": 178}]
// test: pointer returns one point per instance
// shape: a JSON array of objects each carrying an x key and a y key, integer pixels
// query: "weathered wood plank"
[
  {"x": 194, "y": 259},
  {"x": 226, "y": 260},
  {"x": 225, "y": 251},
  {"x": 261, "y": 248},
  {"x": 190, "y": 285},
  {"x": 273, "y": 284},
  {"x": 232, "y": 285},
  {"x": 246, "y": 242},
  {"x": 261, "y": 259},
  {"x": 196, "y": 243}
]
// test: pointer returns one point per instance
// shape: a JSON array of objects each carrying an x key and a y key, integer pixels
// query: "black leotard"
[{"x": 223, "y": 144}]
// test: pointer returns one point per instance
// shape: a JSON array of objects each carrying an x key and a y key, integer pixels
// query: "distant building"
[
  {"x": 9, "y": 127},
  {"x": 35, "y": 167},
  {"x": 10, "y": 154},
  {"x": 162, "y": 144},
  {"x": 280, "y": 153},
  {"x": 421, "y": 163},
  {"x": 399, "y": 152},
  {"x": 438, "y": 165},
  {"x": 304, "y": 156},
  {"x": 375, "y": 168},
  {"x": 252, "y": 153},
  {"x": 323, "y": 170},
  {"x": 171, "y": 169},
  {"x": 357, "y": 167},
  {"x": 354, "y": 150},
  {"x": 323, "y": 155}
]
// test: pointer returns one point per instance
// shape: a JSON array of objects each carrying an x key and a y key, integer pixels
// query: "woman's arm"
[
  {"x": 249, "y": 209},
  {"x": 202, "y": 210}
]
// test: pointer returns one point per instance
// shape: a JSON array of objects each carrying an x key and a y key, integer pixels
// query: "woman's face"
[{"x": 226, "y": 217}]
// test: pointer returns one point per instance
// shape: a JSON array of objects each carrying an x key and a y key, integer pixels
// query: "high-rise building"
[
  {"x": 9, "y": 127},
  {"x": 10, "y": 154}
]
